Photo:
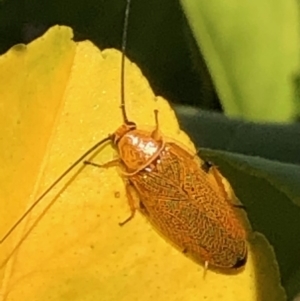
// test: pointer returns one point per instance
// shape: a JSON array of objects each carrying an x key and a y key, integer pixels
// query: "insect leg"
[
  {"x": 129, "y": 188},
  {"x": 156, "y": 133},
  {"x": 218, "y": 177},
  {"x": 206, "y": 166},
  {"x": 205, "y": 269},
  {"x": 105, "y": 165},
  {"x": 131, "y": 202},
  {"x": 211, "y": 169}
]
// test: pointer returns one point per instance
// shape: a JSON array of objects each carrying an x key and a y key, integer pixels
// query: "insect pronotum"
[{"x": 184, "y": 198}]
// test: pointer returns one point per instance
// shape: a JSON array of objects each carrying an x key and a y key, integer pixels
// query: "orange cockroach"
[{"x": 184, "y": 198}]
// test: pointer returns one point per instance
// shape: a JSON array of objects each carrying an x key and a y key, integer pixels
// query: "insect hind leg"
[{"x": 218, "y": 177}]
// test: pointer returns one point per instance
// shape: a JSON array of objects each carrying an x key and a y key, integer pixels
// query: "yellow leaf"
[{"x": 57, "y": 99}]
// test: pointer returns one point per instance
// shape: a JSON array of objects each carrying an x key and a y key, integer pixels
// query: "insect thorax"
[{"x": 137, "y": 149}]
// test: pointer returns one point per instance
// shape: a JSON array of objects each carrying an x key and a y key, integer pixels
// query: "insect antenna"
[
  {"x": 94, "y": 147},
  {"x": 123, "y": 49}
]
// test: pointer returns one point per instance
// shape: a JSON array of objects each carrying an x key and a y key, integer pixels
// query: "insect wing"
[{"x": 182, "y": 205}]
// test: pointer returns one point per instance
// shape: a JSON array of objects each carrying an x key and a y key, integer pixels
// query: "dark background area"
[{"x": 160, "y": 41}]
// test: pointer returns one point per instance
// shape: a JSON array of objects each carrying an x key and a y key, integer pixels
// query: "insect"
[{"x": 184, "y": 198}]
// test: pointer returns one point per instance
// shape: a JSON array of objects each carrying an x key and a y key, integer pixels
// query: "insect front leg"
[
  {"x": 105, "y": 165},
  {"x": 156, "y": 133}
]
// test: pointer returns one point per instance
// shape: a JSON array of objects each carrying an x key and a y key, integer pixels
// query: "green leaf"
[
  {"x": 252, "y": 52},
  {"x": 272, "y": 141}
]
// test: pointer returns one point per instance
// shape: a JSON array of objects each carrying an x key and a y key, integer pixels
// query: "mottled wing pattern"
[{"x": 184, "y": 207}]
